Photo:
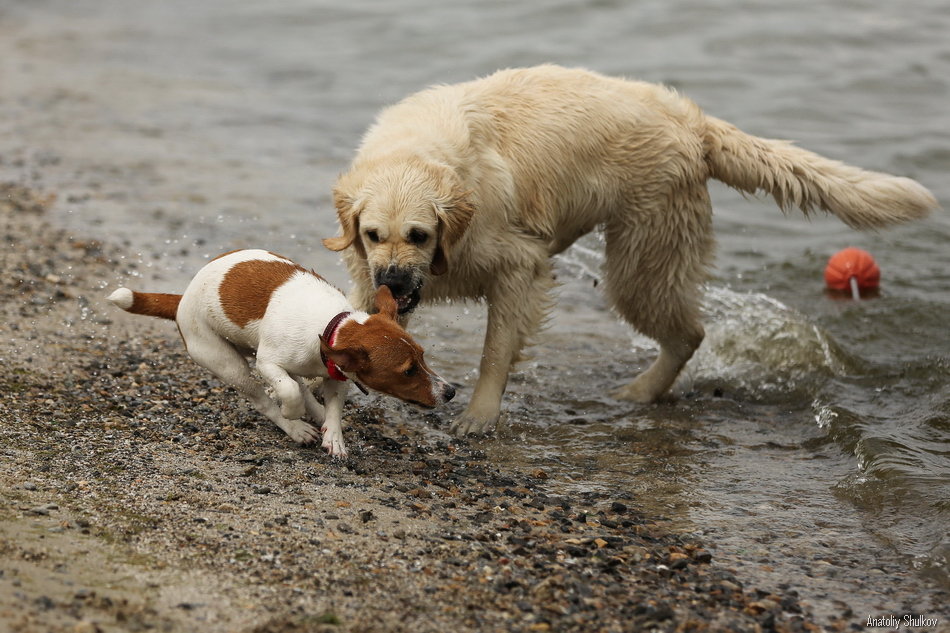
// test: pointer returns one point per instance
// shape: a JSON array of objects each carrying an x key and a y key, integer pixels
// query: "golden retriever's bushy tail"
[{"x": 798, "y": 178}]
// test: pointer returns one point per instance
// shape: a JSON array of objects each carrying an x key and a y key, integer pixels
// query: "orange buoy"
[{"x": 852, "y": 269}]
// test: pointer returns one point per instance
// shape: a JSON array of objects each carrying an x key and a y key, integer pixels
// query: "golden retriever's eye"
[
  {"x": 372, "y": 236},
  {"x": 409, "y": 373},
  {"x": 418, "y": 237}
]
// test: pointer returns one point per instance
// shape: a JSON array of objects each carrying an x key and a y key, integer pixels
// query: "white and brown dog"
[{"x": 255, "y": 303}]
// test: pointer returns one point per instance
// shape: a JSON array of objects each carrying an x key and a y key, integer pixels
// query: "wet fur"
[{"x": 506, "y": 171}]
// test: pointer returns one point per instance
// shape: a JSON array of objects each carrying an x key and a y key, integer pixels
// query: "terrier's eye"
[
  {"x": 409, "y": 373},
  {"x": 372, "y": 236},
  {"x": 418, "y": 237}
]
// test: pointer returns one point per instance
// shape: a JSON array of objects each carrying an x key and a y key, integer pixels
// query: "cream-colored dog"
[{"x": 467, "y": 190}]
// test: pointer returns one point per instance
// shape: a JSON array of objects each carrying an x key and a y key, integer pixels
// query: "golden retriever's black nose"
[{"x": 400, "y": 282}]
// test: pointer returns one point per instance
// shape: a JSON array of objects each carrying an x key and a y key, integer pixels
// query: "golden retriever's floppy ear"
[
  {"x": 385, "y": 303},
  {"x": 349, "y": 216},
  {"x": 454, "y": 219}
]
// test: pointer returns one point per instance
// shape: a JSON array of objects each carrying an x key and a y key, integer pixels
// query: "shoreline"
[{"x": 140, "y": 494}]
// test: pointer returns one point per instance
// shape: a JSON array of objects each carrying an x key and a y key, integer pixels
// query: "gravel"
[{"x": 139, "y": 494}]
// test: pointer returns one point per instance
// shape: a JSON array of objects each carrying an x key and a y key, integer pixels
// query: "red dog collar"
[{"x": 329, "y": 335}]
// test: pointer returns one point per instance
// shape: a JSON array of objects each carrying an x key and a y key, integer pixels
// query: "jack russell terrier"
[{"x": 255, "y": 303}]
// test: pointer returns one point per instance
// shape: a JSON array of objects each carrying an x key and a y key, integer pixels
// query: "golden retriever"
[{"x": 468, "y": 190}]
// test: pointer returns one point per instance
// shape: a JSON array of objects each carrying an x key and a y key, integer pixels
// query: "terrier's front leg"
[
  {"x": 314, "y": 409},
  {"x": 333, "y": 394},
  {"x": 287, "y": 389}
]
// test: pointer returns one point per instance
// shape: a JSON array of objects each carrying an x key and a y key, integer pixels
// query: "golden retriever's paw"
[
  {"x": 468, "y": 424},
  {"x": 636, "y": 391}
]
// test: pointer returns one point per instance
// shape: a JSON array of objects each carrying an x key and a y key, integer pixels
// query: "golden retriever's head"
[{"x": 403, "y": 217}]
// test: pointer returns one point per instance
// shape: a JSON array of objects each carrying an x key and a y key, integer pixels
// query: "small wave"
[
  {"x": 902, "y": 478},
  {"x": 761, "y": 349}
]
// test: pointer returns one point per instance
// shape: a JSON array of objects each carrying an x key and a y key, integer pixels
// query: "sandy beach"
[{"x": 139, "y": 494}]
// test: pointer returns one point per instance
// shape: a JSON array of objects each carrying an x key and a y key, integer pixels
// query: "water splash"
[
  {"x": 762, "y": 349},
  {"x": 755, "y": 346},
  {"x": 825, "y": 416}
]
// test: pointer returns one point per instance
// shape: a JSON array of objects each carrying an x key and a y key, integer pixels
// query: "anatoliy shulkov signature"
[{"x": 906, "y": 620}]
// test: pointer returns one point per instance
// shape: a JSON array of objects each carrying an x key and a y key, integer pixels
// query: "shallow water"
[{"x": 811, "y": 436}]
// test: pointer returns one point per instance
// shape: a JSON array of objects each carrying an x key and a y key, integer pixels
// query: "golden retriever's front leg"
[
  {"x": 484, "y": 408},
  {"x": 515, "y": 310}
]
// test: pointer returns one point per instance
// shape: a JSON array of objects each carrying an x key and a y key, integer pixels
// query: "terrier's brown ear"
[
  {"x": 385, "y": 304},
  {"x": 454, "y": 219},
  {"x": 349, "y": 216},
  {"x": 350, "y": 359}
]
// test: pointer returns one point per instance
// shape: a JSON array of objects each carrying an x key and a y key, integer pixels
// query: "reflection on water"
[{"x": 809, "y": 439}]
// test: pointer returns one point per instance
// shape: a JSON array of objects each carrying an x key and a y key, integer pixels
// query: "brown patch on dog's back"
[{"x": 247, "y": 287}]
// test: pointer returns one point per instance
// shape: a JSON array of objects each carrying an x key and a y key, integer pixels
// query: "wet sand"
[{"x": 138, "y": 494}]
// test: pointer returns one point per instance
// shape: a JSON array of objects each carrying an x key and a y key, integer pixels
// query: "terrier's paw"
[
  {"x": 301, "y": 432},
  {"x": 471, "y": 424},
  {"x": 292, "y": 410},
  {"x": 316, "y": 412},
  {"x": 333, "y": 442}
]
